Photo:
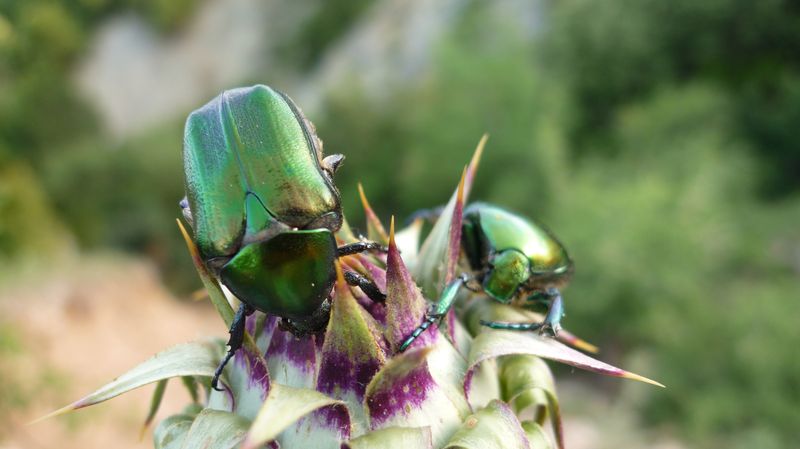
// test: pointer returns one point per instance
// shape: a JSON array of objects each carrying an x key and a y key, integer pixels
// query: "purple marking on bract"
[
  {"x": 339, "y": 374},
  {"x": 264, "y": 338},
  {"x": 319, "y": 342},
  {"x": 468, "y": 381},
  {"x": 400, "y": 396},
  {"x": 335, "y": 416},
  {"x": 352, "y": 354},
  {"x": 300, "y": 352},
  {"x": 255, "y": 369}
]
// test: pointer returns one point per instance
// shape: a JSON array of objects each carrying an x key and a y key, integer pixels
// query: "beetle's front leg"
[
  {"x": 234, "y": 342},
  {"x": 367, "y": 286},
  {"x": 357, "y": 280},
  {"x": 359, "y": 247},
  {"x": 552, "y": 321},
  {"x": 445, "y": 303}
]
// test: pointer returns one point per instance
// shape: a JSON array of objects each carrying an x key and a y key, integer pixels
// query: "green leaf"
[
  {"x": 495, "y": 343},
  {"x": 528, "y": 382},
  {"x": 188, "y": 359},
  {"x": 191, "y": 387},
  {"x": 393, "y": 438},
  {"x": 537, "y": 437},
  {"x": 171, "y": 432},
  {"x": 493, "y": 427},
  {"x": 214, "y": 429},
  {"x": 155, "y": 403},
  {"x": 283, "y": 407},
  {"x": 484, "y": 385}
]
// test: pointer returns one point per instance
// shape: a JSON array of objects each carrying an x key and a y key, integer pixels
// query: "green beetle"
[
  {"x": 514, "y": 261},
  {"x": 263, "y": 208}
]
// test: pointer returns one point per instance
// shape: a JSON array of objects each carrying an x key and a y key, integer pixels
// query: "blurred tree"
[
  {"x": 29, "y": 228},
  {"x": 44, "y": 129},
  {"x": 619, "y": 51}
]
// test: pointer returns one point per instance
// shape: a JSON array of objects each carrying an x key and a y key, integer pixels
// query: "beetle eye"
[{"x": 187, "y": 212}]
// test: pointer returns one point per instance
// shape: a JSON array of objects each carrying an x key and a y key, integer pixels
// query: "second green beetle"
[
  {"x": 263, "y": 208},
  {"x": 514, "y": 261}
]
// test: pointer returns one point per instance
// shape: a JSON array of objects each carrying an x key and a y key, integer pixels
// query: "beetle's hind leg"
[
  {"x": 503, "y": 325},
  {"x": 234, "y": 342},
  {"x": 367, "y": 286},
  {"x": 552, "y": 321}
]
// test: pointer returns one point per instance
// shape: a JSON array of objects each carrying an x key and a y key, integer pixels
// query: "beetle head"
[{"x": 508, "y": 271}]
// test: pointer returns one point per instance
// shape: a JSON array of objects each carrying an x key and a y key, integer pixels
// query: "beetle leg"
[
  {"x": 551, "y": 324},
  {"x": 446, "y": 301},
  {"x": 366, "y": 285},
  {"x": 235, "y": 341},
  {"x": 503, "y": 325},
  {"x": 359, "y": 247},
  {"x": 429, "y": 319}
]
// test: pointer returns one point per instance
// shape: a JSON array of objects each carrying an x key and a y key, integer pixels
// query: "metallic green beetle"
[
  {"x": 514, "y": 261},
  {"x": 263, "y": 208}
]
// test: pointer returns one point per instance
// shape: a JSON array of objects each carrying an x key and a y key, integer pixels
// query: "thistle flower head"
[{"x": 458, "y": 385}]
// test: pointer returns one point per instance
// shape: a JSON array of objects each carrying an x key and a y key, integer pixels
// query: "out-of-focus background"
[{"x": 660, "y": 140}]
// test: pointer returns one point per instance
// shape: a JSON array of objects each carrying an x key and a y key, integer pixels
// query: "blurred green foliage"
[
  {"x": 658, "y": 139},
  {"x": 613, "y": 52},
  {"x": 29, "y": 229}
]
